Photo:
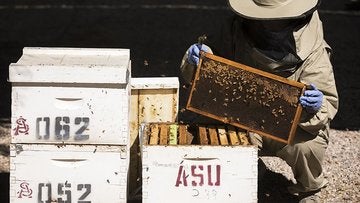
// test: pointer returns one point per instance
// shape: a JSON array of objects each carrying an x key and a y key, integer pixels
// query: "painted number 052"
[
  {"x": 63, "y": 190},
  {"x": 62, "y": 128}
]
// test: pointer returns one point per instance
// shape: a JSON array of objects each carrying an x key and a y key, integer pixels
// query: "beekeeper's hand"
[
  {"x": 194, "y": 53},
  {"x": 312, "y": 99}
]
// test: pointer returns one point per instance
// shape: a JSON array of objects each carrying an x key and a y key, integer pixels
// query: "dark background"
[{"x": 157, "y": 32}]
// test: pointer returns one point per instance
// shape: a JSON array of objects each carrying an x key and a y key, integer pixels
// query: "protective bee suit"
[{"x": 297, "y": 52}]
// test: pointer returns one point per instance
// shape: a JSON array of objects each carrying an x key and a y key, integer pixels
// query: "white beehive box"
[
  {"x": 71, "y": 95},
  {"x": 198, "y": 173},
  {"x": 68, "y": 173}
]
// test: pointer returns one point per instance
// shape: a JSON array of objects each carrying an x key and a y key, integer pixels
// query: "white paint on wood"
[
  {"x": 71, "y": 65},
  {"x": 86, "y": 52},
  {"x": 155, "y": 83},
  {"x": 89, "y": 115},
  {"x": 199, "y": 174},
  {"x": 66, "y": 101},
  {"x": 63, "y": 172}
]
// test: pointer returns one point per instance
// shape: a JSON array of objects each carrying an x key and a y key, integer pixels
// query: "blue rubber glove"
[
  {"x": 312, "y": 99},
  {"x": 194, "y": 53}
]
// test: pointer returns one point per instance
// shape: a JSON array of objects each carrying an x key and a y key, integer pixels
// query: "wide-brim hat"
[{"x": 273, "y": 9}]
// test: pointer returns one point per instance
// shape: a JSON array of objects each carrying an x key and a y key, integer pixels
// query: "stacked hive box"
[
  {"x": 197, "y": 163},
  {"x": 153, "y": 99},
  {"x": 70, "y": 125}
]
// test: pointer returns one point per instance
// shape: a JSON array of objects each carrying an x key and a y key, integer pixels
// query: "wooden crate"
[
  {"x": 153, "y": 99},
  {"x": 68, "y": 173},
  {"x": 246, "y": 97},
  {"x": 68, "y": 95},
  {"x": 183, "y": 163}
]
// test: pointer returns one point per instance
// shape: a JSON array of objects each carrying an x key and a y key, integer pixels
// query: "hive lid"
[{"x": 71, "y": 65}]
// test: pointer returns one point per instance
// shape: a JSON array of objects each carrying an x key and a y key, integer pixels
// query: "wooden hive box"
[
  {"x": 153, "y": 99},
  {"x": 246, "y": 97},
  {"x": 70, "y": 114},
  {"x": 190, "y": 163},
  {"x": 70, "y": 95},
  {"x": 68, "y": 173}
]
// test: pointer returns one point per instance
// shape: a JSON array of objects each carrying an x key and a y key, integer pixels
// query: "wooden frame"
[
  {"x": 246, "y": 97},
  {"x": 156, "y": 133}
]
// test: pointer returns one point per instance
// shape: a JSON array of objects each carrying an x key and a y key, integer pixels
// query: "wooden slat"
[
  {"x": 154, "y": 134},
  {"x": 202, "y": 136},
  {"x": 222, "y": 135},
  {"x": 163, "y": 134},
  {"x": 214, "y": 140},
  {"x": 146, "y": 135},
  {"x": 182, "y": 135},
  {"x": 134, "y": 114},
  {"x": 173, "y": 134},
  {"x": 234, "y": 140},
  {"x": 243, "y": 138},
  {"x": 189, "y": 138}
]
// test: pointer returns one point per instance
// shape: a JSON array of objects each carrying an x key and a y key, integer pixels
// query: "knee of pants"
[{"x": 313, "y": 149}]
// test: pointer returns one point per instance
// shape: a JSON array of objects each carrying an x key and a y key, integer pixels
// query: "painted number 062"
[{"x": 62, "y": 128}]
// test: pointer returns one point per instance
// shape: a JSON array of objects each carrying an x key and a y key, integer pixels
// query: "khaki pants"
[{"x": 305, "y": 159}]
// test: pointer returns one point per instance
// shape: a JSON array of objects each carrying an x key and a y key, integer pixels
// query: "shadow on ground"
[
  {"x": 4, "y": 186},
  {"x": 272, "y": 188}
]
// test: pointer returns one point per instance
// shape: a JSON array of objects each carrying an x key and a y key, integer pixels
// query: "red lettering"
[
  {"x": 198, "y": 175},
  {"x": 201, "y": 176},
  {"x": 210, "y": 183},
  {"x": 181, "y": 175},
  {"x": 209, "y": 175},
  {"x": 217, "y": 183},
  {"x": 25, "y": 190}
]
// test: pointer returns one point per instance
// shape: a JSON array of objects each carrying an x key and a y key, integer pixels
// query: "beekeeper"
[{"x": 283, "y": 37}]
